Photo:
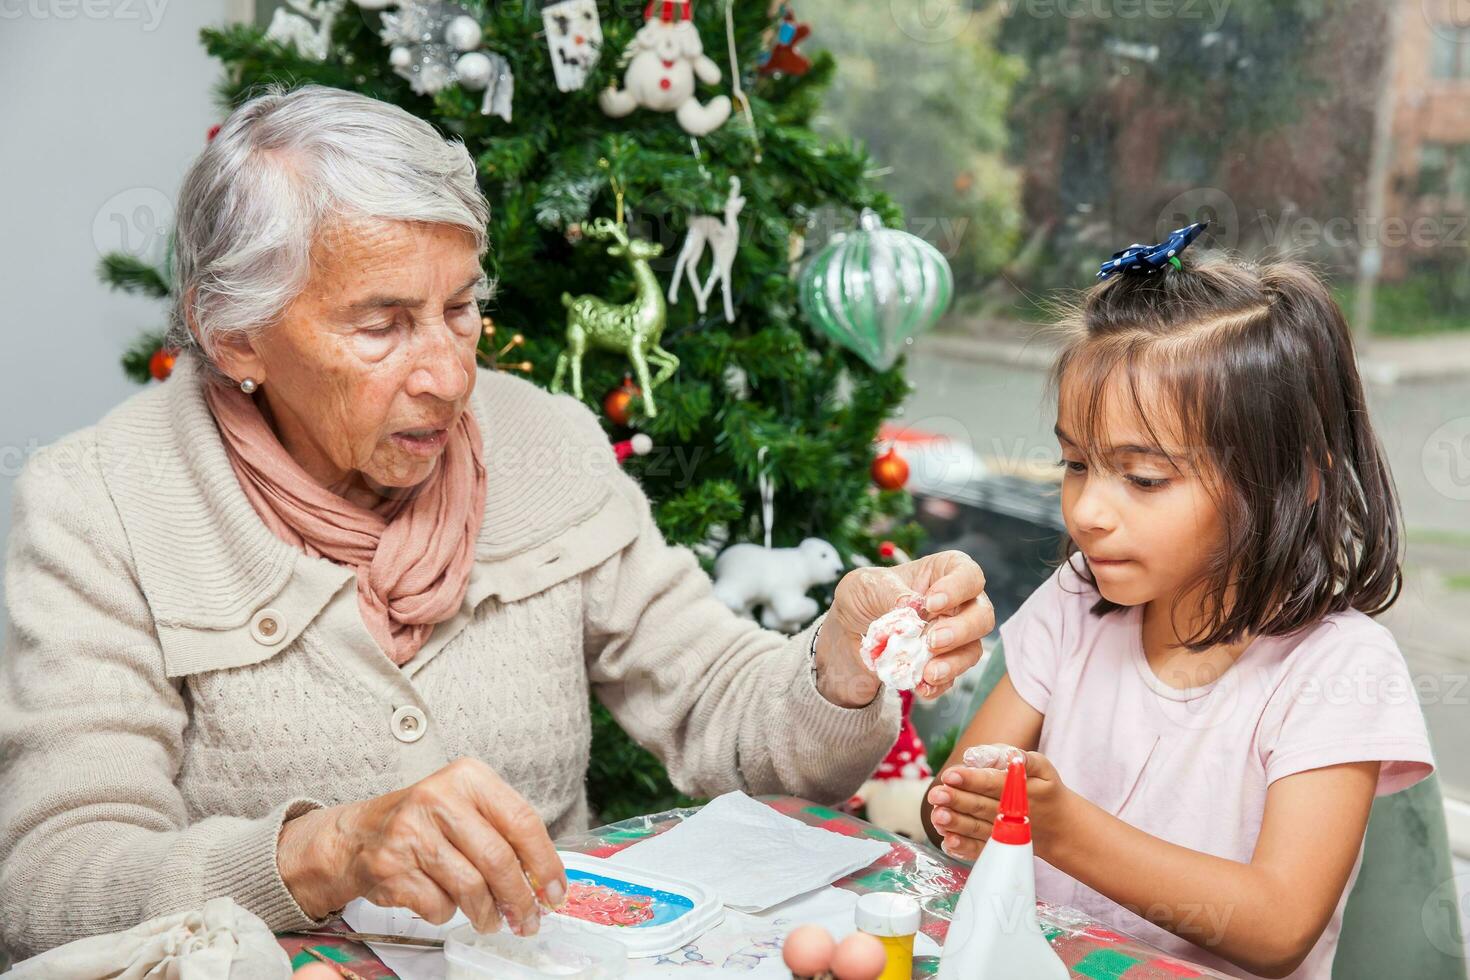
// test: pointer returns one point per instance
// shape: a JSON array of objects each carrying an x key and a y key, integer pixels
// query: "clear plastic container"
[{"x": 557, "y": 950}]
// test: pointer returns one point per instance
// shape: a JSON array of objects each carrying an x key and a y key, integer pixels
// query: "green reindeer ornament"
[{"x": 631, "y": 329}]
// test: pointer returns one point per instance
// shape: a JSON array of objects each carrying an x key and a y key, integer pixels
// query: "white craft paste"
[{"x": 902, "y": 650}]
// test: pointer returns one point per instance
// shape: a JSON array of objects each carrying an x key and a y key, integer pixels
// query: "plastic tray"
[{"x": 683, "y": 911}]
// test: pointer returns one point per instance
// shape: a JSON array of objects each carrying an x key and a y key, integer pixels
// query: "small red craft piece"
[
  {"x": 603, "y": 906},
  {"x": 783, "y": 57}
]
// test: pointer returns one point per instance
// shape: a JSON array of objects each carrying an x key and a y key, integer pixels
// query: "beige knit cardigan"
[{"x": 177, "y": 681}]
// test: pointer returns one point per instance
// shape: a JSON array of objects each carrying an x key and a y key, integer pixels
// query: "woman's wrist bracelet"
[{"x": 812, "y": 653}]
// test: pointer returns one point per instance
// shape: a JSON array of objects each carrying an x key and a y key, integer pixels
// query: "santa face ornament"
[{"x": 574, "y": 34}]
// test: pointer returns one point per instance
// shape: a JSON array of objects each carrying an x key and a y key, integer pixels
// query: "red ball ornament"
[
  {"x": 890, "y": 471},
  {"x": 617, "y": 402},
  {"x": 161, "y": 364},
  {"x": 888, "y": 551},
  {"x": 213, "y": 132}
]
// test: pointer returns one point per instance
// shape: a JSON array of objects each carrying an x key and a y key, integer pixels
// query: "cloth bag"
[{"x": 220, "y": 941}]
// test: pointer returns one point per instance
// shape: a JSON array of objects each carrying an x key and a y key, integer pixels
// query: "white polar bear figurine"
[
  {"x": 777, "y": 580},
  {"x": 663, "y": 59}
]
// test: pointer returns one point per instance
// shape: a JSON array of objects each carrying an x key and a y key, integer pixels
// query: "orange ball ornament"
[
  {"x": 161, "y": 364},
  {"x": 617, "y": 402},
  {"x": 890, "y": 470}
]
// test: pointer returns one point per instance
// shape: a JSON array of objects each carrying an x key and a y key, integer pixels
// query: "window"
[
  {"x": 1449, "y": 58},
  {"x": 1444, "y": 170}
]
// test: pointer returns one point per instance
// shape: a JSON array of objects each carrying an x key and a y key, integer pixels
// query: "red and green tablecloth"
[{"x": 1089, "y": 950}]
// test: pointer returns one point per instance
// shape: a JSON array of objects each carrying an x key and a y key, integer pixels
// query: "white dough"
[
  {"x": 996, "y": 756},
  {"x": 905, "y": 649}
]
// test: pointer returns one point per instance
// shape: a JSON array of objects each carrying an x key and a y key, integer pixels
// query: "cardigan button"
[
  {"x": 267, "y": 627},
  {"x": 409, "y": 723}
]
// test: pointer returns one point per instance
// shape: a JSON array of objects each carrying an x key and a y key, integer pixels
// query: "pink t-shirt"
[{"x": 1192, "y": 766}]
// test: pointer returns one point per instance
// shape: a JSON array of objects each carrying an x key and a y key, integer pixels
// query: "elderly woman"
[{"x": 319, "y": 617}]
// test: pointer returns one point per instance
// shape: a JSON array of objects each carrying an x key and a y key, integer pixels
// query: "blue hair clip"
[{"x": 1146, "y": 259}]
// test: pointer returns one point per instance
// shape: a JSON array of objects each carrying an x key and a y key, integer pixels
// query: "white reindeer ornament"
[{"x": 723, "y": 238}]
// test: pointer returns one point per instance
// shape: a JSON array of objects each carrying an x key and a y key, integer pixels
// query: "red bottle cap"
[{"x": 1012, "y": 824}]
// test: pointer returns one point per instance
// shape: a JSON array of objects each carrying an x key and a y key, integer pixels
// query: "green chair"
[{"x": 1401, "y": 920}]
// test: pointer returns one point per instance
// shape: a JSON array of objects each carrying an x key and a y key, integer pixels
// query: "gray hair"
[{"x": 283, "y": 165}]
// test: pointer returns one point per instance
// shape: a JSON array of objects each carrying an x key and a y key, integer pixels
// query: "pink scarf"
[{"x": 412, "y": 555}]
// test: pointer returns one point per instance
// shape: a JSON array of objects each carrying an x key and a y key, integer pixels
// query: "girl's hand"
[
  {"x": 967, "y": 801},
  {"x": 460, "y": 837},
  {"x": 955, "y": 606}
]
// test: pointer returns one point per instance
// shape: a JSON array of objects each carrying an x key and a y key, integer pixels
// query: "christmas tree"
[{"x": 762, "y": 393}]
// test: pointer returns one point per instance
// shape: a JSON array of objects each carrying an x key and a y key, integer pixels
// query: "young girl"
[{"x": 1207, "y": 707}]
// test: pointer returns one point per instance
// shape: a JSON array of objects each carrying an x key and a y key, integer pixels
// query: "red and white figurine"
[{"x": 893, "y": 796}]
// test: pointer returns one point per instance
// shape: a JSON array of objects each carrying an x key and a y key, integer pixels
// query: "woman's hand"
[
  {"x": 955, "y": 604},
  {"x": 460, "y": 838},
  {"x": 967, "y": 800}
]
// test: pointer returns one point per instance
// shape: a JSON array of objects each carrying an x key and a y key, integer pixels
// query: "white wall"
[{"x": 103, "y": 103}]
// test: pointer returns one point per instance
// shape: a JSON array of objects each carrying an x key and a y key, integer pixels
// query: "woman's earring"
[{"x": 248, "y": 386}]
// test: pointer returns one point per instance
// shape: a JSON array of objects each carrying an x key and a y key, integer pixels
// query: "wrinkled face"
[
  {"x": 1143, "y": 517},
  {"x": 374, "y": 361}
]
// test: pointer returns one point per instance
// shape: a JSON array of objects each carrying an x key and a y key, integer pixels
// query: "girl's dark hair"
[{"x": 1256, "y": 365}]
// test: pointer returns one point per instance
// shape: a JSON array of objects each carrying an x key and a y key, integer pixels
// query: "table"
[{"x": 1090, "y": 951}]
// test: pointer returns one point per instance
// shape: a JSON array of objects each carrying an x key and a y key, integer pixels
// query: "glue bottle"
[
  {"x": 994, "y": 934},
  {"x": 894, "y": 921}
]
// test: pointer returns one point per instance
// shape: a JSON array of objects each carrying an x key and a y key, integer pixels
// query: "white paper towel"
[
  {"x": 750, "y": 855},
  {"x": 406, "y": 962}
]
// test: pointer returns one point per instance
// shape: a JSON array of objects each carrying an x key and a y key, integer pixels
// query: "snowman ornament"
[{"x": 663, "y": 60}]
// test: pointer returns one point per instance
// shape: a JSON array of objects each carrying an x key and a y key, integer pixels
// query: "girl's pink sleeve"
[
  {"x": 1033, "y": 638},
  {"x": 1347, "y": 696}
]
